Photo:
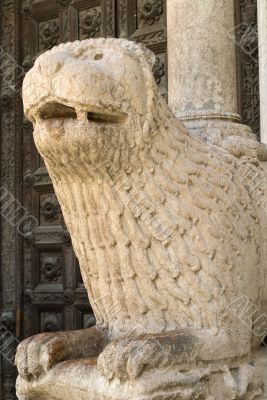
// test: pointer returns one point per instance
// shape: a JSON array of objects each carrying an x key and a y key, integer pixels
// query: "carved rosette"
[
  {"x": 51, "y": 322},
  {"x": 90, "y": 23},
  {"x": 51, "y": 268},
  {"x": 66, "y": 238},
  {"x": 28, "y": 295},
  {"x": 28, "y": 238},
  {"x": 48, "y": 35},
  {"x": 150, "y": 11},
  {"x": 69, "y": 295},
  {"x": 50, "y": 208},
  {"x": 26, "y": 7}
]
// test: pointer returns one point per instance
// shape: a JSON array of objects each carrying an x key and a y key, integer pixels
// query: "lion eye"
[{"x": 57, "y": 110}]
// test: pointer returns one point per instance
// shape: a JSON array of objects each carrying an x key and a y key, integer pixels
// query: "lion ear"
[{"x": 149, "y": 56}]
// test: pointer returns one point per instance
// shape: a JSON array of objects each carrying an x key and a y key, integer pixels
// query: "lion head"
[{"x": 90, "y": 99}]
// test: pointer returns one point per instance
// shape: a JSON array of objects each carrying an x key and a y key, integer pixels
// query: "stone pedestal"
[{"x": 80, "y": 380}]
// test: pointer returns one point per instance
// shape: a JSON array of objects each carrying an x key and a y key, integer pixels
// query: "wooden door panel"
[
  {"x": 144, "y": 21},
  {"x": 86, "y": 20}
]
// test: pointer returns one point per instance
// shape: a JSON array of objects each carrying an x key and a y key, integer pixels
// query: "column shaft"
[{"x": 202, "y": 58}]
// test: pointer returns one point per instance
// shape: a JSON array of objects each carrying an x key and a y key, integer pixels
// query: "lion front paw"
[
  {"x": 39, "y": 353},
  {"x": 126, "y": 359}
]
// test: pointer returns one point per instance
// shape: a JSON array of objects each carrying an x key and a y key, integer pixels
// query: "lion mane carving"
[{"x": 168, "y": 233}]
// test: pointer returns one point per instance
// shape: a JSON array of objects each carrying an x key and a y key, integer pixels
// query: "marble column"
[
  {"x": 262, "y": 31},
  {"x": 202, "y": 59}
]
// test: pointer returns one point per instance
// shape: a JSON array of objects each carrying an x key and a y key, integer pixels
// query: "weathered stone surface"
[
  {"x": 202, "y": 58},
  {"x": 169, "y": 231},
  {"x": 262, "y": 32},
  {"x": 203, "y": 37},
  {"x": 162, "y": 383}
]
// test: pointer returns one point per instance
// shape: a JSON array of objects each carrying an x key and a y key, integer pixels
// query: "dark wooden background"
[{"x": 41, "y": 286}]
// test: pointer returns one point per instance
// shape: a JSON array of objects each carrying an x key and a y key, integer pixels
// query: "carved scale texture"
[
  {"x": 139, "y": 277},
  {"x": 166, "y": 233}
]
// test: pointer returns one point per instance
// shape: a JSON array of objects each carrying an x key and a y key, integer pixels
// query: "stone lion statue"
[{"x": 169, "y": 234}]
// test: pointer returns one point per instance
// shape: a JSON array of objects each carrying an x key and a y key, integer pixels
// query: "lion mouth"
[
  {"x": 100, "y": 117},
  {"x": 61, "y": 111}
]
